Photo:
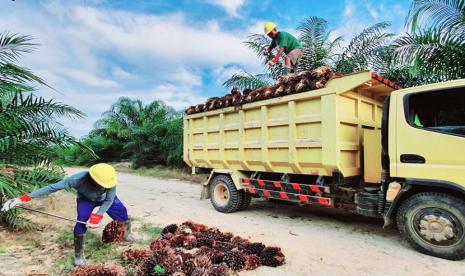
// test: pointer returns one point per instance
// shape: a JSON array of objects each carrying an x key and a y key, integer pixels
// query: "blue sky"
[{"x": 95, "y": 51}]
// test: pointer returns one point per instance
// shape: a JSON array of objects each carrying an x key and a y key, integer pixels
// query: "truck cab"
[{"x": 426, "y": 146}]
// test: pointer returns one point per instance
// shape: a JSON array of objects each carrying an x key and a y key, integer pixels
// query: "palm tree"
[
  {"x": 150, "y": 134},
  {"x": 435, "y": 46},
  {"x": 319, "y": 49},
  {"x": 29, "y": 126}
]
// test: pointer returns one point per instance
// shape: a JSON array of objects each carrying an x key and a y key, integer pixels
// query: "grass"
[
  {"x": 3, "y": 250},
  {"x": 96, "y": 251},
  {"x": 152, "y": 232}
]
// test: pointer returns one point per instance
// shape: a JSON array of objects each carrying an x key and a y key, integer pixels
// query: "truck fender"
[
  {"x": 413, "y": 185},
  {"x": 236, "y": 176}
]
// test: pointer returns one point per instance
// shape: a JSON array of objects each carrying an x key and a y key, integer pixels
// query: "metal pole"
[{"x": 52, "y": 215}]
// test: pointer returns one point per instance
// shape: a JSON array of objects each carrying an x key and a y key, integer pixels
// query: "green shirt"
[{"x": 286, "y": 41}]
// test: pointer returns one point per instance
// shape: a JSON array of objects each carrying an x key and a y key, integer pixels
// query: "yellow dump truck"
[{"x": 358, "y": 144}]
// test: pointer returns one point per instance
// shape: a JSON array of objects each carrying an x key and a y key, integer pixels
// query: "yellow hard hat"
[
  {"x": 268, "y": 27},
  {"x": 104, "y": 175}
]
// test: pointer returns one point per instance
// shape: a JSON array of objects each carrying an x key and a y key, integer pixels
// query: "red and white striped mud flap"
[{"x": 304, "y": 193}]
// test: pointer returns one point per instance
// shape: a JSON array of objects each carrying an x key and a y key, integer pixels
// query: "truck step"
[
  {"x": 323, "y": 201},
  {"x": 284, "y": 186}
]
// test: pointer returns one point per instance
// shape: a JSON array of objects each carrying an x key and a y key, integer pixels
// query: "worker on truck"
[
  {"x": 95, "y": 187},
  {"x": 287, "y": 44}
]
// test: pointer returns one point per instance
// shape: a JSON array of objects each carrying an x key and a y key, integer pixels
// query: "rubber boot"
[
  {"x": 128, "y": 236},
  {"x": 79, "y": 257}
]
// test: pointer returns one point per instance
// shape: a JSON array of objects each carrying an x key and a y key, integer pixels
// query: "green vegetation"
[
  {"x": 96, "y": 251},
  {"x": 152, "y": 232},
  {"x": 147, "y": 135},
  {"x": 28, "y": 127},
  {"x": 433, "y": 50}
]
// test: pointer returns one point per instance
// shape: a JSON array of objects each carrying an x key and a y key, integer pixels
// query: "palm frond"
[
  {"x": 13, "y": 46},
  {"x": 362, "y": 49},
  {"x": 438, "y": 14},
  {"x": 247, "y": 81}
]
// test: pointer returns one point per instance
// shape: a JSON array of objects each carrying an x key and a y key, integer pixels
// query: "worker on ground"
[
  {"x": 287, "y": 44},
  {"x": 95, "y": 187}
]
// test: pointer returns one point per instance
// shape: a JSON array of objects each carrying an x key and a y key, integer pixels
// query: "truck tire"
[
  {"x": 246, "y": 201},
  {"x": 433, "y": 223},
  {"x": 224, "y": 195}
]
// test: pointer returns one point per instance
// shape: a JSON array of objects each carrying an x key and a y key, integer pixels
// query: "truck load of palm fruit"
[{"x": 285, "y": 85}]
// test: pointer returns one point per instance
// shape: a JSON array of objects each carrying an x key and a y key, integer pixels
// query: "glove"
[
  {"x": 273, "y": 62},
  {"x": 12, "y": 203},
  {"x": 94, "y": 220}
]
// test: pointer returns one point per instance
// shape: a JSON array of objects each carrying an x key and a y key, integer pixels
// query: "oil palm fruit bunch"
[
  {"x": 235, "y": 260},
  {"x": 135, "y": 256},
  {"x": 272, "y": 256},
  {"x": 113, "y": 232},
  {"x": 252, "y": 262},
  {"x": 98, "y": 270},
  {"x": 254, "y": 248}
]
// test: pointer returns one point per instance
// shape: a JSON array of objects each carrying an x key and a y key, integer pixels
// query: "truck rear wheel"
[
  {"x": 433, "y": 223},
  {"x": 246, "y": 201},
  {"x": 224, "y": 195}
]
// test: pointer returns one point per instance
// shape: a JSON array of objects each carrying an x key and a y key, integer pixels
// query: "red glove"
[
  {"x": 94, "y": 220},
  {"x": 12, "y": 203},
  {"x": 273, "y": 62}
]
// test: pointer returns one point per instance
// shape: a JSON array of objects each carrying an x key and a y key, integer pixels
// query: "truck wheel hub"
[
  {"x": 221, "y": 194},
  {"x": 437, "y": 227}
]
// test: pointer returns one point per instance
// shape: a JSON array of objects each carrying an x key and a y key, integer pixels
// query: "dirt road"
[{"x": 315, "y": 241}]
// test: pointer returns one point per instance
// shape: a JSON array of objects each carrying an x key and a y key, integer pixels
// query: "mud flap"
[{"x": 204, "y": 194}]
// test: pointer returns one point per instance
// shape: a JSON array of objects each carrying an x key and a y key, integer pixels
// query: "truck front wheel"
[
  {"x": 224, "y": 195},
  {"x": 433, "y": 223}
]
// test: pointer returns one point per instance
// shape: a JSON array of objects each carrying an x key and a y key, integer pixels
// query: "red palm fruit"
[
  {"x": 195, "y": 227},
  {"x": 235, "y": 91},
  {"x": 205, "y": 242},
  {"x": 98, "y": 270},
  {"x": 177, "y": 241},
  {"x": 170, "y": 229},
  {"x": 218, "y": 270},
  {"x": 135, "y": 256},
  {"x": 272, "y": 256},
  {"x": 252, "y": 262},
  {"x": 235, "y": 260},
  {"x": 280, "y": 91},
  {"x": 199, "y": 108},
  {"x": 254, "y": 248},
  {"x": 113, "y": 232}
]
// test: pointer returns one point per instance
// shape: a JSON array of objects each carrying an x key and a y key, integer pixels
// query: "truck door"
[{"x": 430, "y": 134}]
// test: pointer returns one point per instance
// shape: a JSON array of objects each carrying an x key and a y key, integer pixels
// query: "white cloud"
[
  {"x": 121, "y": 73},
  {"x": 349, "y": 9},
  {"x": 120, "y": 53},
  {"x": 225, "y": 72},
  {"x": 89, "y": 79},
  {"x": 177, "y": 96},
  {"x": 230, "y": 6}
]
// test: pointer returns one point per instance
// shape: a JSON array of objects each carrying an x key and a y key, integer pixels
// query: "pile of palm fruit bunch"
[
  {"x": 98, "y": 270},
  {"x": 285, "y": 85},
  {"x": 195, "y": 249}
]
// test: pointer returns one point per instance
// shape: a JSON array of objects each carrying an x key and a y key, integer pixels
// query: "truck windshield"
[{"x": 442, "y": 111}]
